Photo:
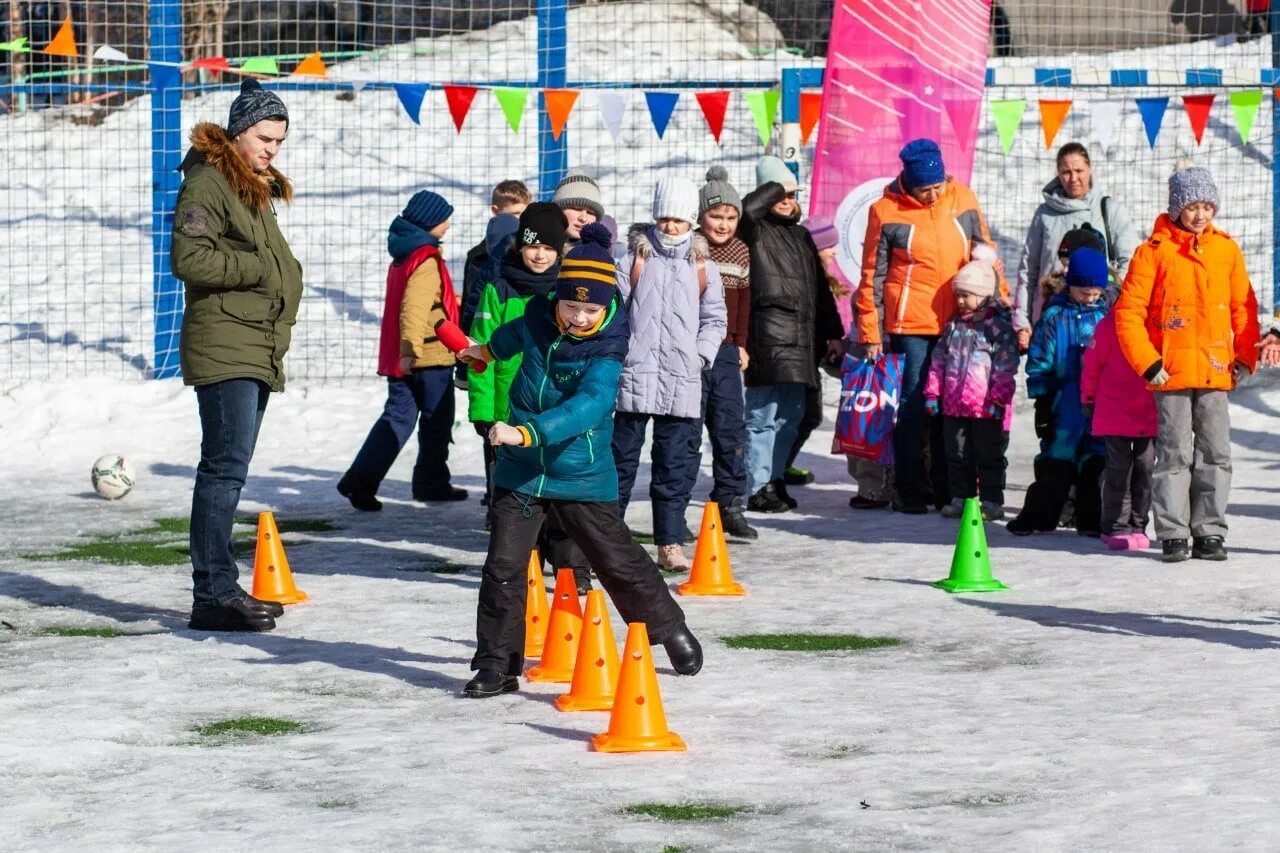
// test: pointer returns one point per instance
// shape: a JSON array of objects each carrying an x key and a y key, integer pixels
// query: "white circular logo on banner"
[{"x": 851, "y": 225}]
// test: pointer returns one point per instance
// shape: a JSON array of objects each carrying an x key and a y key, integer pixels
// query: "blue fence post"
[
  {"x": 1273, "y": 19},
  {"x": 166, "y": 151},
  {"x": 553, "y": 61}
]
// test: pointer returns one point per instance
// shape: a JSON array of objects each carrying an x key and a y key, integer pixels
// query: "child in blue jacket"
[{"x": 555, "y": 453}]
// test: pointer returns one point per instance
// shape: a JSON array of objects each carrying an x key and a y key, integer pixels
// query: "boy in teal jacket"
[{"x": 554, "y": 455}]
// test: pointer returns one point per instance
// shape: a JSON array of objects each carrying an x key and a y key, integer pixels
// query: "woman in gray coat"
[{"x": 1070, "y": 200}]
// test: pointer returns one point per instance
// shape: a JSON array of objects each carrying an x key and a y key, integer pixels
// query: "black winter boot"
[
  {"x": 1208, "y": 548},
  {"x": 684, "y": 651},
  {"x": 766, "y": 500},
  {"x": 780, "y": 488},
  {"x": 490, "y": 682},
  {"x": 235, "y": 615},
  {"x": 354, "y": 488},
  {"x": 1175, "y": 550},
  {"x": 735, "y": 522}
]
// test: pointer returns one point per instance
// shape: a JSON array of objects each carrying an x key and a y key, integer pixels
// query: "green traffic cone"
[{"x": 971, "y": 564}]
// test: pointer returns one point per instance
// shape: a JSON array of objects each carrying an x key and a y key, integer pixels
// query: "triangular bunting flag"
[
  {"x": 411, "y": 95},
  {"x": 1152, "y": 110},
  {"x": 764, "y": 107},
  {"x": 810, "y": 109},
  {"x": 1052, "y": 114},
  {"x": 1106, "y": 118},
  {"x": 358, "y": 80},
  {"x": 1245, "y": 106},
  {"x": 1007, "y": 115},
  {"x": 107, "y": 53},
  {"x": 661, "y": 105},
  {"x": 260, "y": 65},
  {"x": 18, "y": 45},
  {"x": 312, "y": 66},
  {"x": 459, "y": 99},
  {"x": 1198, "y": 107},
  {"x": 612, "y": 106},
  {"x": 714, "y": 105},
  {"x": 963, "y": 113},
  {"x": 64, "y": 43},
  {"x": 211, "y": 63},
  {"x": 559, "y": 103},
  {"x": 512, "y": 103}
]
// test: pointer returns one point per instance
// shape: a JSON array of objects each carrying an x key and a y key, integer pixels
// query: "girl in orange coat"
[{"x": 1187, "y": 321}]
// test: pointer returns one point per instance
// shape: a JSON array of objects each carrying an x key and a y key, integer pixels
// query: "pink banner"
[{"x": 896, "y": 70}]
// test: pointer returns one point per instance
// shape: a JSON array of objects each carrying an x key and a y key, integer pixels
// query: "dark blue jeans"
[
  {"x": 725, "y": 417},
  {"x": 230, "y": 417},
  {"x": 670, "y": 482},
  {"x": 423, "y": 398},
  {"x": 913, "y": 484}
]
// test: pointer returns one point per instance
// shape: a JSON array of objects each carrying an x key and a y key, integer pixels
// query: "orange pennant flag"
[
  {"x": 64, "y": 43},
  {"x": 559, "y": 103},
  {"x": 810, "y": 108},
  {"x": 1052, "y": 114},
  {"x": 312, "y": 66}
]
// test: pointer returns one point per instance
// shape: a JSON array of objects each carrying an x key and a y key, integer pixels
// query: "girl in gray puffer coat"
[{"x": 675, "y": 301}]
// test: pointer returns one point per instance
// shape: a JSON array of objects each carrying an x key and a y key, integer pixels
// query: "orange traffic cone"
[
  {"x": 596, "y": 672},
  {"x": 561, "y": 650},
  {"x": 272, "y": 580},
  {"x": 638, "y": 723},
  {"x": 535, "y": 609},
  {"x": 711, "y": 574}
]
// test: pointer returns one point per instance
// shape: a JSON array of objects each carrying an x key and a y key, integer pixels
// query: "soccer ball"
[{"x": 112, "y": 476}]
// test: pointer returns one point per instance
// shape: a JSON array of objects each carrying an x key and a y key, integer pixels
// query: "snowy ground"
[{"x": 1105, "y": 702}]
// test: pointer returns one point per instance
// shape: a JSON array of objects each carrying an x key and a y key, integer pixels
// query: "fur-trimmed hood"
[
  {"x": 211, "y": 145},
  {"x": 639, "y": 242}
]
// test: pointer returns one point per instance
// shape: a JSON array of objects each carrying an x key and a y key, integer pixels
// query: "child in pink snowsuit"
[{"x": 1123, "y": 413}]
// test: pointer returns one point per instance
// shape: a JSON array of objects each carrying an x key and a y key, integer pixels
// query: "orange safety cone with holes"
[
  {"x": 638, "y": 723},
  {"x": 535, "y": 609},
  {"x": 596, "y": 674},
  {"x": 711, "y": 574},
  {"x": 272, "y": 580},
  {"x": 563, "y": 629}
]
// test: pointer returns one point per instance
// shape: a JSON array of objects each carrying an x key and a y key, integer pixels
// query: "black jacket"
[{"x": 793, "y": 313}]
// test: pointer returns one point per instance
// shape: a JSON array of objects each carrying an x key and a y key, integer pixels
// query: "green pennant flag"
[
  {"x": 764, "y": 107},
  {"x": 1008, "y": 115},
  {"x": 512, "y": 103},
  {"x": 1245, "y": 106},
  {"x": 18, "y": 45},
  {"x": 260, "y": 65}
]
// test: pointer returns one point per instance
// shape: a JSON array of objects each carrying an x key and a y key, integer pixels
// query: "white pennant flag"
[
  {"x": 358, "y": 79},
  {"x": 612, "y": 106},
  {"x": 107, "y": 53},
  {"x": 1105, "y": 120}
]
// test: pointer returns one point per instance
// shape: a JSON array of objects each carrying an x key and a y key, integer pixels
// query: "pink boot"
[
  {"x": 1116, "y": 541},
  {"x": 1138, "y": 542}
]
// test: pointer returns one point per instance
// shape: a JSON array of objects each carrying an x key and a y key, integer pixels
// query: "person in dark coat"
[{"x": 793, "y": 323}]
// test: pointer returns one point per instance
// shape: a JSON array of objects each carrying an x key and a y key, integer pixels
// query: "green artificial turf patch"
[
  {"x": 441, "y": 568},
  {"x": 683, "y": 811},
  {"x": 174, "y": 524},
  {"x": 122, "y": 552},
  {"x": 243, "y": 726},
  {"x": 809, "y": 642},
  {"x": 69, "y": 631},
  {"x": 292, "y": 525},
  {"x": 643, "y": 538},
  {"x": 335, "y": 804}
]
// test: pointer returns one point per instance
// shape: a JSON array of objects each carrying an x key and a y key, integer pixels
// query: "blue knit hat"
[
  {"x": 587, "y": 271},
  {"x": 921, "y": 164},
  {"x": 1087, "y": 268},
  {"x": 427, "y": 209}
]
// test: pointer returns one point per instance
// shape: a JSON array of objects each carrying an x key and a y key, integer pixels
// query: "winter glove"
[
  {"x": 993, "y": 411},
  {"x": 482, "y": 428},
  {"x": 1044, "y": 417},
  {"x": 1239, "y": 372},
  {"x": 931, "y": 408},
  {"x": 1156, "y": 374}
]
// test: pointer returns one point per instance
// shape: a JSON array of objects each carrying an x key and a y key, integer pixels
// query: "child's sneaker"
[
  {"x": 955, "y": 509},
  {"x": 1139, "y": 542},
  {"x": 671, "y": 558},
  {"x": 992, "y": 511}
]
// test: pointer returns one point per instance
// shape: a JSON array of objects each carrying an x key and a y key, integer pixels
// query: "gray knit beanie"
[
  {"x": 578, "y": 189},
  {"x": 1188, "y": 186},
  {"x": 252, "y": 105},
  {"x": 718, "y": 191}
]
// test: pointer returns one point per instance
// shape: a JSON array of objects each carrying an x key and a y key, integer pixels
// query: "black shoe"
[
  {"x": 1021, "y": 527},
  {"x": 1208, "y": 548},
  {"x": 490, "y": 682},
  {"x": 583, "y": 582},
  {"x": 689, "y": 535},
  {"x": 910, "y": 508},
  {"x": 766, "y": 500},
  {"x": 684, "y": 651},
  {"x": 235, "y": 615},
  {"x": 274, "y": 609},
  {"x": 780, "y": 489},
  {"x": 353, "y": 487},
  {"x": 1176, "y": 550},
  {"x": 797, "y": 477},
  {"x": 735, "y": 524},
  {"x": 448, "y": 493},
  {"x": 859, "y": 502}
]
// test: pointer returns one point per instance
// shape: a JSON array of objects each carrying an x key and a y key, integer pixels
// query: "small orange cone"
[
  {"x": 64, "y": 42},
  {"x": 272, "y": 580},
  {"x": 638, "y": 723},
  {"x": 596, "y": 674},
  {"x": 711, "y": 574},
  {"x": 561, "y": 650},
  {"x": 535, "y": 609}
]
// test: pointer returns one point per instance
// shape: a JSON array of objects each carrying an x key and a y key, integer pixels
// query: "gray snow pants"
[
  {"x": 1193, "y": 464},
  {"x": 1126, "y": 484},
  {"x": 875, "y": 481}
]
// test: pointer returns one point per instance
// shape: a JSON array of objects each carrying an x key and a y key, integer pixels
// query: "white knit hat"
[
  {"x": 675, "y": 198},
  {"x": 976, "y": 277}
]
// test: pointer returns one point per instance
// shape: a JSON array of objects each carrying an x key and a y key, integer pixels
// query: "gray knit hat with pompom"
[{"x": 718, "y": 191}]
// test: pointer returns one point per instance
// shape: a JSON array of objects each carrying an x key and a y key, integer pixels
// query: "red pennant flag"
[
  {"x": 1197, "y": 107},
  {"x": 459, "y": 99},
  {"x": 211, "y": 63},
  {"x": 559, "y": 102},
  {"x": 810, "y": 109},
  {"x": 714, "y": 106}
]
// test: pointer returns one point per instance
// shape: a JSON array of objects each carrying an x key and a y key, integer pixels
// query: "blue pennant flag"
[
  {"x": 411, "y": 95},
  {"x": 1152, "y": 110},
  {"x": 661, "y": 105}
]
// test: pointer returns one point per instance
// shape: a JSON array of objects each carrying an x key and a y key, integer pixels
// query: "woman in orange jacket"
[
  {"x": 1187, "y": 321},
  {"x": 919, "y": 235}
]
